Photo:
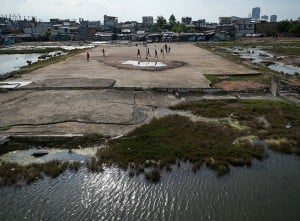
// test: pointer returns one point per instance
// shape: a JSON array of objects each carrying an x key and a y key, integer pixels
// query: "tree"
[
  {"x": 179, "y": 27},
  {"x": 172, "y": 21},
  {"x": 161, "y": 22}
]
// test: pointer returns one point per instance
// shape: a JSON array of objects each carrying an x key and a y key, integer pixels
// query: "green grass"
[
  {"x": 259, "y": 78},
  {"x": 289, "y": 51},
  {"x": 24, "y": 143},
  {"x": 175, "y": 137},
  {"x": 172, "y": 138},
  {"x": 12, "y": 173},
  {"x": 278, "y": 113}
]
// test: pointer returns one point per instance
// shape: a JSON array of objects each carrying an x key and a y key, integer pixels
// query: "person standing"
[
  {"x": 148, "y": 52},
  {"x": 155, "y": 52},
  {"x": 87, "y": 56},
  {"x": 138, "y": 55},
  {"x": 103, "y": 52}
]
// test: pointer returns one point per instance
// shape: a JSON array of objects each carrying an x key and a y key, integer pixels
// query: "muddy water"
[
  {"x": 269, "y": 190},
  {"x": 257, "y": 55},
  {"x": 13, "y": 62}
]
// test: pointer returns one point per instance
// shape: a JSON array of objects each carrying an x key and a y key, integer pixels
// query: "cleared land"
[{"x": 78, "y": 96}]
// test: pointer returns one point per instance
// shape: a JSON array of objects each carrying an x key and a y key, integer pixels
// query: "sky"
[{"x": 133, "y": 10}]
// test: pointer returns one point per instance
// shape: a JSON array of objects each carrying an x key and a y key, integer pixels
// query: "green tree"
[
  {"x": 179, "y": 27},
  {"x": 161, "y": 22},
  {"x": 295, "y": 28},
  {"x": 172, "y": 21}
]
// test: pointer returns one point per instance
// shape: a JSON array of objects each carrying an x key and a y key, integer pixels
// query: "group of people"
[{"x": 164, "y": 50}]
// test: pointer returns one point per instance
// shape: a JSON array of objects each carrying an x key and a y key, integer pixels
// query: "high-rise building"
[
  {"x": 265, "y": 17},
  {"x": 256, "y": 13},
  {"x": 273, "y": 18}
]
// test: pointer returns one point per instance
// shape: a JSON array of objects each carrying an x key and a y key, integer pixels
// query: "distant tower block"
[
  {"x": 273, "y": 18},
  {"x": 256, "y": 13}
]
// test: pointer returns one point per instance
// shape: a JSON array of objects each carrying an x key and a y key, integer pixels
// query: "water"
[
  {"x": 256, "y": 55},
  {"x": 12, "y": 62},
  {"x": 269, "y": 190},
  {"x": 145, "y": 64}
]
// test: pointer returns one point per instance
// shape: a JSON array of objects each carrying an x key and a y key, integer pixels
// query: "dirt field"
[{"x": 78, "y": 96}]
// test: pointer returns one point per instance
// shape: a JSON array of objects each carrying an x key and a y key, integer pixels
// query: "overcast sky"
[{"x": 129, "y": 10}]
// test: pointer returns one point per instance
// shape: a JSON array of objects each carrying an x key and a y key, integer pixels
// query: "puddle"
[
  {"x": 257, "y": 55},
  {"x": 24, "y": 157},
  {"x": 13, "y": 62},
  {"x": 144, "y": 64},
  {"x": 285, "y": 68},
  {"x": 13, "y": 84}
]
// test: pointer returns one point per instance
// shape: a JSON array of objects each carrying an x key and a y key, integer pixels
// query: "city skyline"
[{"x": 130, "y": 10}]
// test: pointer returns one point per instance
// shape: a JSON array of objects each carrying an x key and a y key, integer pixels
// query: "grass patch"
[
  {"x": 288, "y": 51},
  {"x": 24, "y": 143},
  {"x": 12, "y": 173},
  {"x": 218, "y": 145},
  {"x": 258, "y": 77},
  {"x": 165, "y": 140},
  {"x": 279, "y": 114}
]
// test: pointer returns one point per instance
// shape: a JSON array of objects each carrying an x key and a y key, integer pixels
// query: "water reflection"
[
  {"x": 269, "y": 190},
  {"x": 257, "y": 55},
  {"x": 12, "y": 62}
]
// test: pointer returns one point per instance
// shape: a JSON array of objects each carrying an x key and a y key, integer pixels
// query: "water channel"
[
  {"x": 12, "y": 62},
  {"x": 269, "y": 190}
]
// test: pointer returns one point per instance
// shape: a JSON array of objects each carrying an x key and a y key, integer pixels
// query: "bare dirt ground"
[
  {"x": 77, "y": 96},
  {"x": 240, "y": 85}
]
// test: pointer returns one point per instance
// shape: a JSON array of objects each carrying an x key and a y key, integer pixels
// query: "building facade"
[
  {"x": 110, "y": 21},
  {"x": 186, "y": 20},
  {"x": 273, "y": 18},
  {"x": 256, "y": 13},
  {"x": 265, "y": 17}
]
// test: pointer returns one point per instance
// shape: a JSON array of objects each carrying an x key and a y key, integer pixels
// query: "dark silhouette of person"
[
  {"x": 155, "y": 51},
  {"x": 138, "y": 55},
  {"x": 103, "y": 52},
  {"x": 87, "y": 56},
  {"x": 148, "y": 52}
]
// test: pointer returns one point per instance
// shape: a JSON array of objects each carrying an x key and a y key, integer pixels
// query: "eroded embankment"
[{"x": 216, "y": 134}]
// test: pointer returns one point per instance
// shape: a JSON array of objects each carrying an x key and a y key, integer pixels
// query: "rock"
[{"x": 39, "y": 153}]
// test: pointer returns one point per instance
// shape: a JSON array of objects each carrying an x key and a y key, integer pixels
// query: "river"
[{"x": 268, "y": 190}]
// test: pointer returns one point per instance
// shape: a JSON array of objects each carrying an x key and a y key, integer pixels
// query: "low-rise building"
[
  {"x": 266, "y": 28},
  {"x": 186, "y": 20},
  {"x": 147, "y": 22},
  {"x": 110, "y": 22}
]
